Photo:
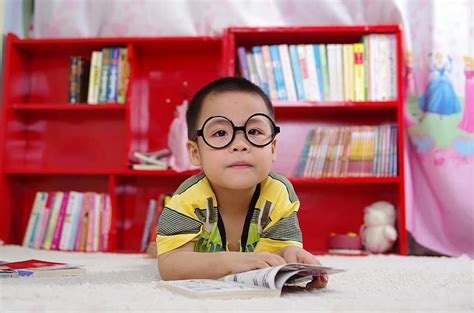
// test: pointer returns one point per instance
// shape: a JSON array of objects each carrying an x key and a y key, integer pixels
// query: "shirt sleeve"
[
  {"x": 177, "y": 226},
  {"x": 283, "y": 230}
]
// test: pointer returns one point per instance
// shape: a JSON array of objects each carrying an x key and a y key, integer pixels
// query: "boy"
[{"x": 236, "y": 205}]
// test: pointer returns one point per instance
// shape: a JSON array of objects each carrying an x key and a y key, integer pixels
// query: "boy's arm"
[{"x": 184, "y": 263}]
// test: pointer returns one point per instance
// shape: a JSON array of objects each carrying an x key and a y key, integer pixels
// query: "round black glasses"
[{"x": 218, "y": 131}]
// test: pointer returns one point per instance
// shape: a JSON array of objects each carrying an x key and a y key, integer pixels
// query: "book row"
[
  {"x": 78, "y": 221},
  {"x": 365, "y": 71},
  {"x": 350, "y": 151},
  {"x": 102, "y": 79}
]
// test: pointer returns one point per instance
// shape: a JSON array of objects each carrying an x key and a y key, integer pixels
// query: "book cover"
[
  {"x": 43, "y": 221},
  {"x": 113, "y": 75},
  {"x": 104, "y": 74},
  {"x": 58, "y": 199}
]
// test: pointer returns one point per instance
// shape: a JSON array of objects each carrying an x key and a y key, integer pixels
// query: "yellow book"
[{"x": 359, "y": 80}]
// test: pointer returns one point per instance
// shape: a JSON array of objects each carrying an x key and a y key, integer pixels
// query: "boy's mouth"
[{"x": 240, "y": 165}]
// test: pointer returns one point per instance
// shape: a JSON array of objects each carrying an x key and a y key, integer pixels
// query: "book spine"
[
  {"x": 121, "y": 92},
  {"x": 75, "y": 217},
  {"x": 91, "y": 223},
  {"x": 85, "y": 222},
  {"x": 97, "y": 220},
  {"x": 113, "y": 76},
  {"x": 67, "y": 221},
  {"x": 106, "y": 222},
  {"x": 339, "y": 73},
  {"x": 324, "y": 71},
  {"x": 297, "y": 73},
  {"x": 38, "y": 203},
  {"x": 243, "y": 66},
  {"x": 92, "y": 74},
  {"x": 262, "y": 77},
  {"x": 83, "y": 79},
  {"x": 58, "y": 199},
  {"x": 104, "y": 74},
  {"x": 359, "y": 89},
  {"x": 312, "y": 75},
  {"x": 319, "y": 71},
  {"x": 77, "y": 243},
  {"x": 267, "y": 62},
  {"x": 59, "y": 224},
  {"x": 280, "y": 85},
  {"x": 43, "y": 222},
  {"x": 252, "y": 68},
  {"x": 287, "y": 72},
  {"x": 73, "y": 88}
]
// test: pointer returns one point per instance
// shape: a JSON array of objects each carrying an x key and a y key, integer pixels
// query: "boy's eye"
[
  {"x": 219, "y": 133},
  {"x": 254, "y": 132}
]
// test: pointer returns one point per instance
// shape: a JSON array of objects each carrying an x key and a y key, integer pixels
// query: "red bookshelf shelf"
[
  {"x": 308, "y": 181},
  {"x": 33, "y": 107},
  {"x": 362, "y": 105}
]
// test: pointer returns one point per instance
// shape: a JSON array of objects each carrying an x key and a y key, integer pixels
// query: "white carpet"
[{"x": 127, "y": 283}]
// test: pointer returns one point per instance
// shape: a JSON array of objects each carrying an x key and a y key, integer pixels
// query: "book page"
[
  {"x": 264, "y": 277},
  {"x": 275, "y": 277}
]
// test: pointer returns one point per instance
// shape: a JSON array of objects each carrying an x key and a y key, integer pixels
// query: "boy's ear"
[
  {"x": 274, "y": 150},
  {"x": 193, "y": 153}
]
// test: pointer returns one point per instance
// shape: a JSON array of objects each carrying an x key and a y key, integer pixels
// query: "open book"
[{"x": 263, "y": 282}]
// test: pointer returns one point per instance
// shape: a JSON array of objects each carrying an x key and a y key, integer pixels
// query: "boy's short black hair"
[{"x": 218, "y": 86}]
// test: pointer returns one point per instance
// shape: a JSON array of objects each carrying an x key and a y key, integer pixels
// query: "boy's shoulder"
[
  {"x": 198, "y": 181},
  {"x": 275, "y": 184}
]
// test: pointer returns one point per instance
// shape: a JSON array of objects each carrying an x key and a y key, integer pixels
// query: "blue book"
[
  {"x": 113, "y": 75},
  {"x": 280, "y": 84},
  {"x": 297, "y": 72},
  {"x": 317, "y": 60}
]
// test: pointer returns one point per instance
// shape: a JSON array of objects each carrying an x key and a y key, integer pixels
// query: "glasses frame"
[{"x": 276, "y": 131}]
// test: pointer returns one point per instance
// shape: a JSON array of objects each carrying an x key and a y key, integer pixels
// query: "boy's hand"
[
  {"x": 242, "y": 262},
  {"x": 293, "y": 254}
]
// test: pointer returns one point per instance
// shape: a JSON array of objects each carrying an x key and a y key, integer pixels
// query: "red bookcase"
[
  {"x": 51, "y": 145},
  {"x": 330, "y": 205}
]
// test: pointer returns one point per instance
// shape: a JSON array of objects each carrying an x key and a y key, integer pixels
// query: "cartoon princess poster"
[
  {"x": 440, "y": 97},
  {"x": 467, "y": 122}
]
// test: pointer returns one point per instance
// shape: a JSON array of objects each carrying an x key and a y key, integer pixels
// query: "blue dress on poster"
[{"x": 440, "y": 97}]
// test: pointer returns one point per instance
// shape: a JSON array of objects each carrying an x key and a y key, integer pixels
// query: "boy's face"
[{"x": 240, "y": 165}]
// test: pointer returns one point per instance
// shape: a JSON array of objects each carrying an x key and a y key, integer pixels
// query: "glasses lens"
[
  {"x": 218, "y": 132},
  {"x": 259, "y": 130}
]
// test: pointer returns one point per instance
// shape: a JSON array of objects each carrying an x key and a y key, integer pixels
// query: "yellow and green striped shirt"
[{"x": 192, "y": 215}]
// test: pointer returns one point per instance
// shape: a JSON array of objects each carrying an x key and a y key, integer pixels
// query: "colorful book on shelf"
[
  {"x": 152, "y": 203},
  {"x": 43, "y": 221},
  {"x": 267, "y": 282},
  {"x": 295, "y": 64},
  {"x": 113, "y": 75},
  {"x": 287, "y": 72},
  {"x": 57, "y": 203},
  {"x": 260, "y": 67},
  {"x": 123, "y": 69},
  {"x": 267, "y": 62},
  {"x": 243, "y": 66},
  {"x": 35, "y": 215},
  {"x": 278, "y": 73}
]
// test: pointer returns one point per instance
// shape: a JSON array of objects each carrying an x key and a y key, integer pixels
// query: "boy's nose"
[{"x": 240, "y": 143}]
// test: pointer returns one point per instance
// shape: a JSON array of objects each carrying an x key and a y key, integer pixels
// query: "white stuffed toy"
[{"x": 378, "y": 232}]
